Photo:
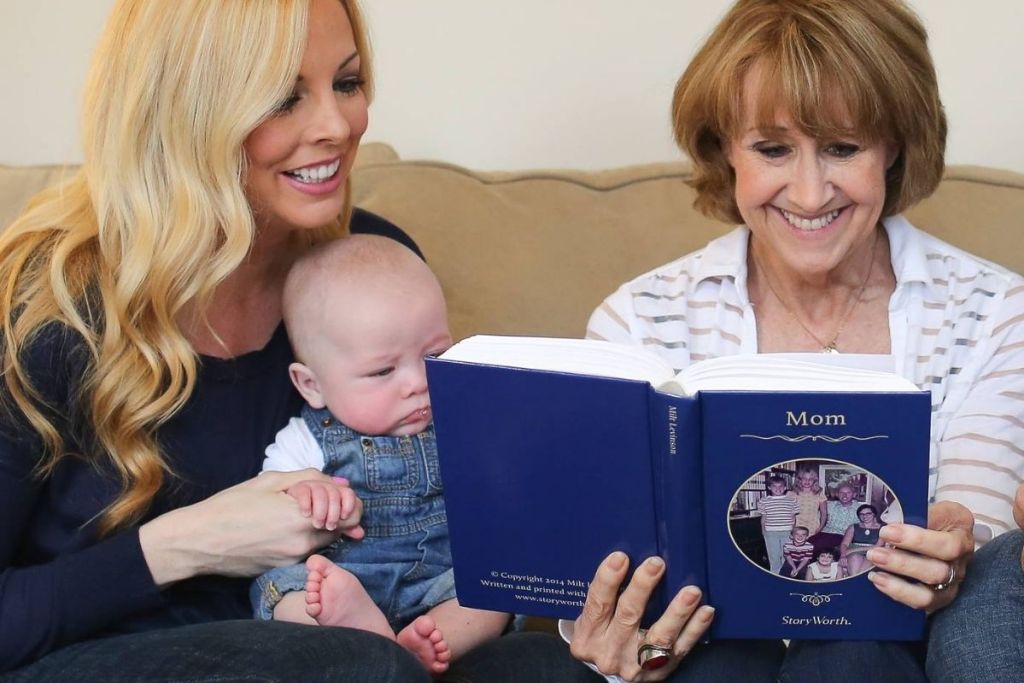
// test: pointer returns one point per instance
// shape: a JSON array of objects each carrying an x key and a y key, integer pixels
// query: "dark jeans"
[
  {"x": 230, "y": 652},
  {"x": 274, "y": 651},
  {"x": 730, "y": 661},
  {"x": 980, "y": 637},
  {"x": 769, "y": 661},
  {"x": 852, "y": 661},
  {"x": 544, "y": 658},
  {"x": 520, "y": 657},
  {"x": 269, "y": 652}
]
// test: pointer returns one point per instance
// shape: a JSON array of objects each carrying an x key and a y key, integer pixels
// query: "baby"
[{"x": 362, "y": 313}]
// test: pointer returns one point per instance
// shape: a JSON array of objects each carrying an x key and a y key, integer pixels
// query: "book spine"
[{"x": 678, "y": 492}]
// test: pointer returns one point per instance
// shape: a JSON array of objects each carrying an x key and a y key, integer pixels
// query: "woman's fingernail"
[
  {"x": 879, "y": 556},
  {"x": 340, "y": 480},
  {"x": 617, "y": 560},
  {"x": 878, "y": 578},
  {"x": 706, "y": 612},
  {"x": 654, "y": 564},
  {"x": 691, "y": 595},
  {"x": 891, "y": 534}
]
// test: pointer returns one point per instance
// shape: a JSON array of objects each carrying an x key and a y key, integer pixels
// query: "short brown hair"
[{"x": 831, "y": 64}]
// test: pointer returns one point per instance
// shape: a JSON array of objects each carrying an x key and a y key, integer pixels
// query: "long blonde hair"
[{"x": 153, "y": 221}]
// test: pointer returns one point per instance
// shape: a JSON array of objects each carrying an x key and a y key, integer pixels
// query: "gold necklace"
[{"x": 829, "y": 347}]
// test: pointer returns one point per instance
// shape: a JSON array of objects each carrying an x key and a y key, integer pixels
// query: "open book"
[{"x": 556, "y": 452}]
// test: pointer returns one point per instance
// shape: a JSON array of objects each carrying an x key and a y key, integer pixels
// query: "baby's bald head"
[{"x": 335, "y": 282}]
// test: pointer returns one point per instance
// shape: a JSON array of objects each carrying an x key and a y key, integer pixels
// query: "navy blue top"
[{"x": 59, "y": 583}]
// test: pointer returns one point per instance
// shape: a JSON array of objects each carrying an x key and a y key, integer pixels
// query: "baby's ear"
[{"x": 305, "y": 381}]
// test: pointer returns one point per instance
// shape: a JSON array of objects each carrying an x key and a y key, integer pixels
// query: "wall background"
[{"x": 526, "y": 83}]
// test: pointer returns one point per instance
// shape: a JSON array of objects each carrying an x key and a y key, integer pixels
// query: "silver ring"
[{"x": 950, "y": 580}]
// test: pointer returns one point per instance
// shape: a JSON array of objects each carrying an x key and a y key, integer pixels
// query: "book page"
[
  {"x": 795, "y": 372},
  {"x": 876, "y": 362},
  {"x": 575, "y": 356}
]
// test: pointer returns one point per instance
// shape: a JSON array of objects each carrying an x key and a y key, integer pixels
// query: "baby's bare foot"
[
  {"x": 425, "y": 640},
  {"x": 334, "y": 597}
]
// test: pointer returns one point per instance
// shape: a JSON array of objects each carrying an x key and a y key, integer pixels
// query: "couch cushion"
[{"x": 980, "y": 210}]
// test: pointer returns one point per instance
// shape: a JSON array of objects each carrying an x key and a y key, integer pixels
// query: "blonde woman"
[{"x": 145, "y": 367}]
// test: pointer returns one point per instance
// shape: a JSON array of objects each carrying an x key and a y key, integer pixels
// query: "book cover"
[{"x": 547, "y": 472}]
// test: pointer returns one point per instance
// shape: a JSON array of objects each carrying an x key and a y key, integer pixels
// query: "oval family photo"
[{"x": 812, "y": 520}]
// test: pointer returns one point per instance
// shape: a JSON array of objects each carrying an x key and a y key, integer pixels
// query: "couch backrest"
[{"x": 535, "y": 252}]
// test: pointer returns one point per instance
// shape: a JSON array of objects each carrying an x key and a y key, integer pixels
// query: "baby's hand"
[{"x": 331, "y": 505}]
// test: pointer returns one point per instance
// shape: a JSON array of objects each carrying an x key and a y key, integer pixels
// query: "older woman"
[
  {"x": 840, "y": 513},
  {"x": 860, "y": 537},
  {"x": 814, "y": 124},
  {"x": 145, "y": 367}
]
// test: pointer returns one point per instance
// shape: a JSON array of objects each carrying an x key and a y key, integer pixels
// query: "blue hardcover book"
[{"x": 761, "y": 479}]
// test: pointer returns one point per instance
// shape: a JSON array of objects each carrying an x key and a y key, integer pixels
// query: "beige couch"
[{"x": 533, "y": 252}]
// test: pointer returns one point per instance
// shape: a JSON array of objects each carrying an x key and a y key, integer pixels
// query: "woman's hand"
[
  {"x": 607, "y": 632},
  {"x": 931, "y": 556},
  {"x": 241, "y": 531}
]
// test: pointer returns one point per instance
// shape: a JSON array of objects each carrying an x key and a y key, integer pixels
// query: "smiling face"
[
  {"x": 866, "y": 516},
  {"x": 845, "y": 494},
  {"x": 799, "y": 536},
  {"x": 825, "y": 559},
  {"x": 807, "y": 480},
  {"x": 810, "y": 204},
  {"x": 299, "y": 158},
  {"x": 777, "y": 488}
]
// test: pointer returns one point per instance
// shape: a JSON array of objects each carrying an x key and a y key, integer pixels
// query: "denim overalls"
[{"x": 404, "y": 562}]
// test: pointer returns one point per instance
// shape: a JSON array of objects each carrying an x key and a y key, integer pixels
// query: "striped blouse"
[
  {"x": 957, "y": 329},
  {"x": 778, "y": 512},
  {"x": 798, "y": 553}
]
